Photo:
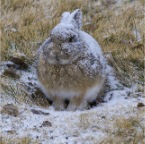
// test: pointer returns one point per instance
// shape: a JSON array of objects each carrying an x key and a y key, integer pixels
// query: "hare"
[{"x": 71, "y": 65}]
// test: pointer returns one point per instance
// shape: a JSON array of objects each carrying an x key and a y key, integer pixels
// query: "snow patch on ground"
[{"x": 79, "y": 127}]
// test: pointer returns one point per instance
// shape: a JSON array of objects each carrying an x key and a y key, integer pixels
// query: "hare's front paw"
[
  {"x": 71, "y": 107},
  {"x": 58, "y": 104},
  {"x": 83, "y": 106}
]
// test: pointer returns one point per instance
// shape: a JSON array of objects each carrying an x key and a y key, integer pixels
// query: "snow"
[
  {"x": 29, "y": 76},
  {"x": 94, "y": 50},
  {"x": 137, "y": 35},
  {"x": 3, "y": 66},
  {"x": 94, "y": 47},
  {"x": 87, "y": 126},
  {"x": 65, "y": 15}
]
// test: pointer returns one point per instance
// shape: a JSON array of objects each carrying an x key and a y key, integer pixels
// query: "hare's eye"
[{"x": 71, "y": 39}]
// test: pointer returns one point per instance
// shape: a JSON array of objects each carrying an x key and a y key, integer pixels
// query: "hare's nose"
[{"x": 56, "y": 51}]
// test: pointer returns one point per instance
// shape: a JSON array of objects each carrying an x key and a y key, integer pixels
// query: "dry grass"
[
  {"x": 26, "y": 24},
  {"x": 128, "y": 131},
  {"x": 18, "y": 91},
  {"x": 122, "y": 129},
  {"x": 23, "y": 140}
]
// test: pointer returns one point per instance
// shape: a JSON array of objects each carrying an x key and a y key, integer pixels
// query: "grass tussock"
[
  {"x": 20, "y": 93},
  {"x": 119, "y": 29},
  {"x": 123, "y": 129},
  {"x": 128, "y": 131}
]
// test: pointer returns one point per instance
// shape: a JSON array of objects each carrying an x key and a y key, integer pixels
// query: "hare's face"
[{"x": 66, "y": 45}]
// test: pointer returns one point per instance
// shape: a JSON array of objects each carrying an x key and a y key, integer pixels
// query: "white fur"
[
  {"x": 65, "y": 94},
  {"x": 92, "y": 93}
]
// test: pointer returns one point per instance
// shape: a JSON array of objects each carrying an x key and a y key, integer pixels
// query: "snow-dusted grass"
[{"x": 118, "y": 120}]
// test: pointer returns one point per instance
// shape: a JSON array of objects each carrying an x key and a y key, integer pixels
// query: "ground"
[{"x": 120, "y": 120}]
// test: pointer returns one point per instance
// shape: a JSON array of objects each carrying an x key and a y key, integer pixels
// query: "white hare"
[{"x": 71, "y": 64}]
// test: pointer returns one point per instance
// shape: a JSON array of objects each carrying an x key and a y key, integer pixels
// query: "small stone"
[
  {"x": 66, "y": 137},
  {"x": 18, "y": 57},
  {"x": 38, "y": 112},
  {"x": 46, "y": 124},
  {"x": 11, "y": 131},
  {"x": 10, "y": 109},
  {"x": 140, "y": 105},
  {"x": 19, "y": 62},
  {"x": 103, "y": 117},
  {"x": 75, "y": 135}
]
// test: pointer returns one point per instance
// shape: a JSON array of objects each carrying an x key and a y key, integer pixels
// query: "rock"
[
  {"x": 103, "y": 117},
  {"x": 12, "y": 72},
  {"x": 17, "y": 57},
  {"x": 11, "y": 131},
  {"x": 39, "y": 112},
  {"x": 46, "y": 124},
  {"x": 140, "y": 105},
  {"x": 20, "y": 64},
  {"x": 66, "y": 137},
  {"x": 10, "y": 109}
]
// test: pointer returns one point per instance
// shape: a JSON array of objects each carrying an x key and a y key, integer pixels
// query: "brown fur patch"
[{"x": 64, "y": 77}]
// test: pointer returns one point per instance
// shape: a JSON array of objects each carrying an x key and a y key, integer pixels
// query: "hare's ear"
[
  {"x": 64, "y": 17},
  {"x": 76, "y": 18}
]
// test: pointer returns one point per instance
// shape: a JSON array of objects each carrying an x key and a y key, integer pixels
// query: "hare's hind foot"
[{"x": 58, "y": 104}]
